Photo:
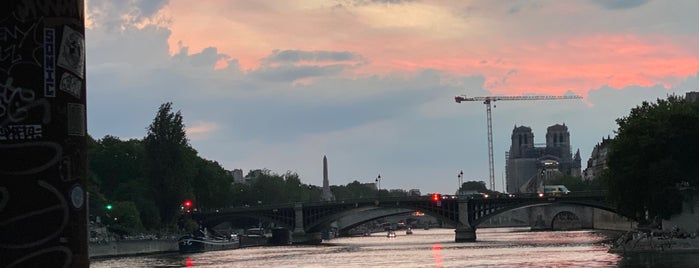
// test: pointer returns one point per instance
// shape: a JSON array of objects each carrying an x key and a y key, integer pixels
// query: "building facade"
[
  {"x": 529, "y": 165},
  {"x": 598, "y": 160}
]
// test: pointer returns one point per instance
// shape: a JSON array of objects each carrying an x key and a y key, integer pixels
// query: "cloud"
[
  {"x": 620, "y": 4},
  {"x": 122, "y": 14},
  {"x": 297, "y": 56},
  {"x": 201, "y": 130}
]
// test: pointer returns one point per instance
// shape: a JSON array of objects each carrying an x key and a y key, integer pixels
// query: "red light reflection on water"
[
  {"x": 437, "y": 255},
  {"x": 188, "y": 262}
]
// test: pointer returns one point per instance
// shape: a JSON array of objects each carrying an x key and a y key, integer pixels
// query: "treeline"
[
  {"x": 652, "y": 162},
  {"x": 139, "y": 185}
]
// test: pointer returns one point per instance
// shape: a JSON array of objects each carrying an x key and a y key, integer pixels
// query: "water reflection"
[
  {"x": 425, "y": 248},
  {"x": 436, "y": 255}
]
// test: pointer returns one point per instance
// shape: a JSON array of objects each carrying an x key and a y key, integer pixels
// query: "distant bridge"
[{"x": 308, "y": 220}]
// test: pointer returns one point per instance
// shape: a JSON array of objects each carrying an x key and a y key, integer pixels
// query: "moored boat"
[{"x": 190, "y": 244}]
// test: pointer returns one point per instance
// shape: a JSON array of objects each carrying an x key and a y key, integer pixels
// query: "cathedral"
[{"x": 530, "y": 165}]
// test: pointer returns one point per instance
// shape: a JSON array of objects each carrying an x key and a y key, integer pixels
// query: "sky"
[{"x": 370, "y": 84}]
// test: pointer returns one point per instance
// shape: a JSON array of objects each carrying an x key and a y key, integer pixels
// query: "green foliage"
[
  {"x": 212, "y": 185},
  {"x": 478, "y": 186},
  {"x": 654, "y": 150},
  {"x": 355, "y": 190},
  {"x": 124, "y": 218},
  {"x": 267, "y": 188},
  {"x": 169, "y": 162},
  {"x": 576, "y": 184}
]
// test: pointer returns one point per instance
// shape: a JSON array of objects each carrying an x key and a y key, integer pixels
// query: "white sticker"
[
  {"x": 71, "y": 84},
  {"x": 77, "y": 196},
  {"x": 72, "y": 53},
  {"x": 76, "y": 119}
]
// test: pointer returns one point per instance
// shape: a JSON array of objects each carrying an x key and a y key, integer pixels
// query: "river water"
[{"x": 498, "y": 247}]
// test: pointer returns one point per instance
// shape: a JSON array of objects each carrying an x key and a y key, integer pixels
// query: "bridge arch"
[
  {"x": 369, "y": 212},
  {"x": 566, "y": 220},
  {"x": 484, "y": 211}
]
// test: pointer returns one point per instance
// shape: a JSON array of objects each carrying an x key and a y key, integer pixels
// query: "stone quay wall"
[{"x": 131, "y": 247}]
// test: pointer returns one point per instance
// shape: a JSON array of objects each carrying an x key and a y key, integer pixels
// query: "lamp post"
[{"x": 461, "y": 181}]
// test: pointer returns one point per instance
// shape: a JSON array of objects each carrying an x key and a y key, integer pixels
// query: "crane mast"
[{"x": 487, "y": 100}]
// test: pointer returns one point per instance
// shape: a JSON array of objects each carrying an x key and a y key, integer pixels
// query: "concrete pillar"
[
  {"x": 464, "y": 231},
  {"x": 298, "y": 220},
  {"x": 43, "y": 166},
  {"x": 299, "y": 236},
  {"x": 540, "y": 218}
]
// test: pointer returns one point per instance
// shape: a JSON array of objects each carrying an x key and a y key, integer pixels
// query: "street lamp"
[{"x": 461, "y": 181}]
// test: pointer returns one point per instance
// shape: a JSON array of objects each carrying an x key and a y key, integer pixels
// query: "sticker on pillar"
[
  {"x": 20, "y": 132},
  {"x": 72, "y": 53},
  {"x": 77, "y": 196},
  {"x": 49, "y": 62},
  {"x": 76, "y": 119},
  {"x": 71, "y": 84}
]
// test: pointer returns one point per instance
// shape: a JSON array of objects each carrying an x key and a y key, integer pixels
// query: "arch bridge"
[{"x": 307, "y": 220}]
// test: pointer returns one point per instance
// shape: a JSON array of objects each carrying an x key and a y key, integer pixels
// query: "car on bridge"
[{"x": 554, "y": 190}]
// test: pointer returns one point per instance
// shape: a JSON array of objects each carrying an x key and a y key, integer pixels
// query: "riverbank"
[
  {"x": 644, "y": 242},
  {"x": 120, "y": 248},
  {"x": 131, "y": 247}
]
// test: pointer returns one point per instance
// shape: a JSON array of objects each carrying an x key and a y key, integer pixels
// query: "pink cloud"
[
  {"x": 512, "y": 64},
  {"x": 201, "y": 130}
]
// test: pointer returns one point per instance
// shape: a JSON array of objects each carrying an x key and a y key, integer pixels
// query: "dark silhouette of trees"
[
  {"x": 211, "y": 185},
  {"x": 477, "y": 186},
  {"x": 655, "y": 150},
  {"x": 169, "y": 163}
]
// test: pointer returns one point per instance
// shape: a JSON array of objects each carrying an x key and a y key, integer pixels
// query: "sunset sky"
[{"x": 371, "y": 83}]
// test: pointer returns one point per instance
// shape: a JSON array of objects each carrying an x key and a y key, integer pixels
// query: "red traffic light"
[
  {"x": 436, "y": 197},
  {"x": 187, "y": 203}
]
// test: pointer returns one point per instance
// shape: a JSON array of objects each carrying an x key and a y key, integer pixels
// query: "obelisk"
[{"x": 327, "y": 195}]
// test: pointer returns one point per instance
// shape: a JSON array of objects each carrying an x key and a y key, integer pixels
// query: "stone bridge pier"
[
  {"x": 464, "y": 232},
  {"x": 299, "y": 235}
]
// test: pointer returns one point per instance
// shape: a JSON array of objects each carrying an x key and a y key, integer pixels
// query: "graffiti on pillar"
[
  {"x": 566, "y": 220},
  {"x": 17, "y": 104},
  {"x": 20, "y": 132},
  {"x": 24, "y": 164},
  {"x": 42, "y": 117},
  {"x": 49, "y": 62},
  {"x": 30, "y": 9}
]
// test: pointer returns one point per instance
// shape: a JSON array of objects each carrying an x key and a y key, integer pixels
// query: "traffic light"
[
  {"x": 108, "y": 206},
  {"x": 437, "y": 199},
  {"x": 187, "y": 205}
]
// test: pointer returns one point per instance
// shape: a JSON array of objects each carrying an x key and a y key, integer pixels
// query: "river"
[{"x": 498, "y": 247}]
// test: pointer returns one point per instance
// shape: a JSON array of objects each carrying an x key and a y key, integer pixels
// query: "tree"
[
  {"x": 124, "y": 218},
  {"x": 169, "y": 162},
  {"x": 478, "y": 186},
  {"x": 212, "y": 185},
  {"x": 654, "y": 150}
]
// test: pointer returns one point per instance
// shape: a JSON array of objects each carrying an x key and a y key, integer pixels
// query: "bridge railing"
[
  {"x": 319, "y": 203},
  {"x": 406, "y": 198}
]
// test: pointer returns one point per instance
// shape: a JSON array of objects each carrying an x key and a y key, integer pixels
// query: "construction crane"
[{"x": 487, "y": 100}]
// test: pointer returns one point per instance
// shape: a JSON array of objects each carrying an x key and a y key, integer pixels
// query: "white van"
[{"x": 556, "y": 190}]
